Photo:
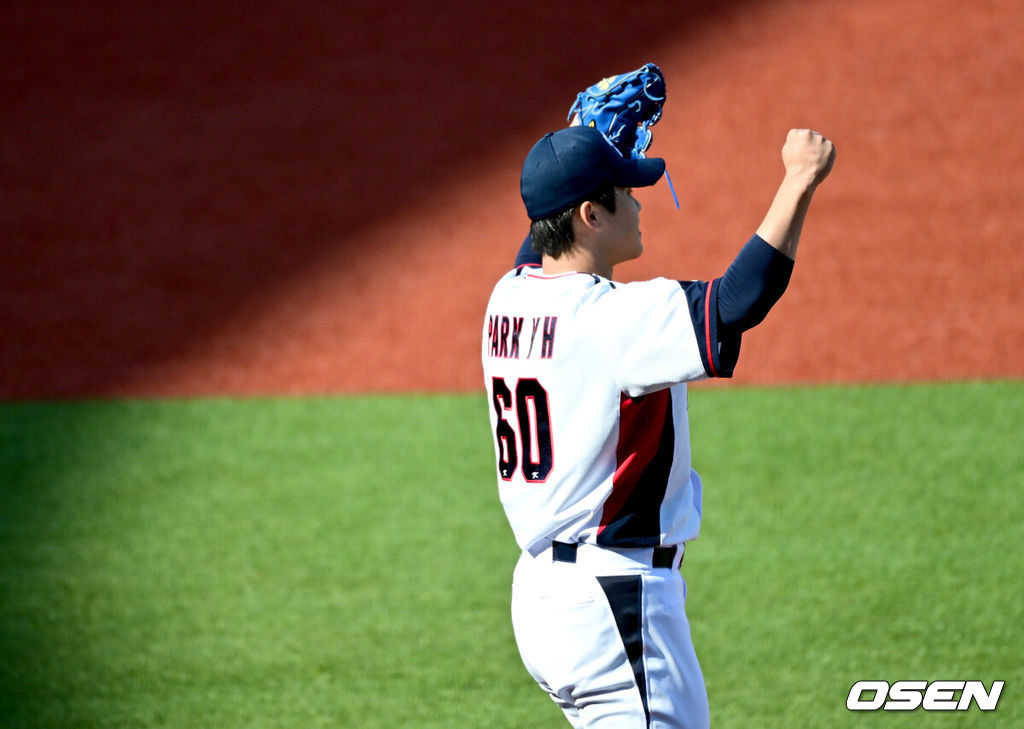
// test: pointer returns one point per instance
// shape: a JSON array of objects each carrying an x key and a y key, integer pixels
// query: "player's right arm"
[
  {"x": 808, "y": 158},
  {"x": 760, "y": 273}
]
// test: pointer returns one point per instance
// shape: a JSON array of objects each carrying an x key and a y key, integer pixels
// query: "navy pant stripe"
[{"x": 625, "y": 593}]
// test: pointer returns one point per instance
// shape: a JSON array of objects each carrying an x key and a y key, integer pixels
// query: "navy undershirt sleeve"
[
  {"x": 722, "y": 309},
  {"x": 527, "y": 256},
  {"x": 754, "y": 281}
]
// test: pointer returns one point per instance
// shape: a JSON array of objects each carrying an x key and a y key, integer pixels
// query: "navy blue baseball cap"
[{"x": 566, "y": 166}]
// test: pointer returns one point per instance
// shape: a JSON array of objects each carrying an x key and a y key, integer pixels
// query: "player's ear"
[{"x": 589, "y": 215}]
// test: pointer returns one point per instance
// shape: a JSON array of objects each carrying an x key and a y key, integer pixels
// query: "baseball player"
[{"x": 586, "y": 379}]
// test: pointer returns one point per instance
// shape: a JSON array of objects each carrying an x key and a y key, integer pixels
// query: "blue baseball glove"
[{"x": 624, "y": 108}]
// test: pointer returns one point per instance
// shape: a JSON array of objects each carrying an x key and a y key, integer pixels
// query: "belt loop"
[
  {"x": 666, "y": 556},
  {"x": 663, "y": 556},
  {"x": 563, "y": 552}
]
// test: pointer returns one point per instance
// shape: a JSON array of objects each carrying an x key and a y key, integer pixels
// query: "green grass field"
[{"x": 344, "y": 562}]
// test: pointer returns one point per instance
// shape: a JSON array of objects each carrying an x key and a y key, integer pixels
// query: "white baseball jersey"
[{"x": 586, "y": 381}]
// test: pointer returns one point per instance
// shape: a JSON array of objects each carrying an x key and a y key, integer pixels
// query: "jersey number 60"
[{"x": 534, "y": 421}]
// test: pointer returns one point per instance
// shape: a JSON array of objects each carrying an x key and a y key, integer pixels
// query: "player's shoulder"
[
  {"x": 654, "y": 288},
  {"x": 512, "y": 277},
  {"x": 612, "y": 301},
  {"x": 521, "y": 271},
  {"x": 653, "y": 284}
]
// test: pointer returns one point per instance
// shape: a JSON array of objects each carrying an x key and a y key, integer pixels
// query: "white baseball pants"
[{"x": 607, "y": 637}]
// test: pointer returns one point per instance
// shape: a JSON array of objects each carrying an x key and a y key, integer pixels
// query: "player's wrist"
[{"x": 800, "y": 181}]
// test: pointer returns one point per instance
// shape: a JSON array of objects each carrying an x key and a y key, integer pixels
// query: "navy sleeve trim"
[{"x": 719, "y": 347}]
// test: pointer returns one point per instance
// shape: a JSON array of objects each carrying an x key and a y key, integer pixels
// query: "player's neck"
[{"x": 579, "y": 260}]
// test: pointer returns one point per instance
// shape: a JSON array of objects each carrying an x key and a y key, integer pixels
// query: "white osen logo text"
[{"x": 934, "y": 696}]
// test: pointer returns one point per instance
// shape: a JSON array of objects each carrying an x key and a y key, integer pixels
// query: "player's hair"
[{"x": 553, "y": 236}]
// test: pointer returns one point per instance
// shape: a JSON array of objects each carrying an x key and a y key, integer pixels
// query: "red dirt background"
[{"x": 277, "y": 197}]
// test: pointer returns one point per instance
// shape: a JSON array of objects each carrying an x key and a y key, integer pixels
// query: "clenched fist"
[{"x": 808, "y": 156}]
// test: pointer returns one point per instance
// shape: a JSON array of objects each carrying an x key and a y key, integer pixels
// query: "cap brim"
[{"x": 642, "y": 172}]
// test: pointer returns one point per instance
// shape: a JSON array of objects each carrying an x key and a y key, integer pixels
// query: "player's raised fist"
[{"x": 808, "y": 156}]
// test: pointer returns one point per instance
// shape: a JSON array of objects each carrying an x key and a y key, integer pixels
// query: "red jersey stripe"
[
  {"x": 641, "y": 423},
  {"x": 707, "y": 329}
]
